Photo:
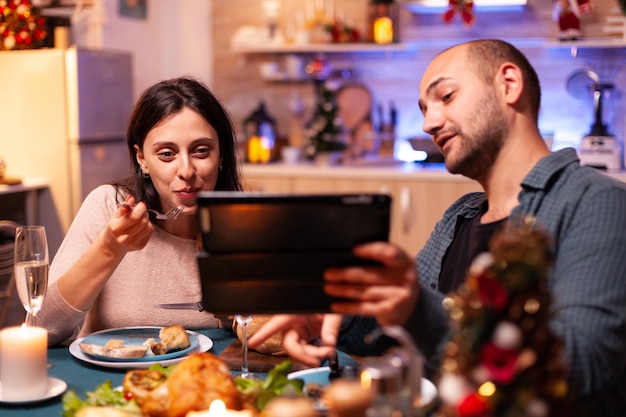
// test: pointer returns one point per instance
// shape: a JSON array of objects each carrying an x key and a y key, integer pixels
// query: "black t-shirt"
[{"x": 471, "y": 238}]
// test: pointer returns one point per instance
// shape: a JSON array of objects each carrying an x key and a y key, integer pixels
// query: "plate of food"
[
  {"x": 316, "y": 380},
  {"x": 139, "y": 347}
]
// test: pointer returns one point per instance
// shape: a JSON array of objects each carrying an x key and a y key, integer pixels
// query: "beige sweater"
[{"x": 165, "y": 271}]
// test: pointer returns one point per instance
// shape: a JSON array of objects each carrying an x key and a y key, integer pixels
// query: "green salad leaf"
[
  {"x": 105, "y": 395},
  {"x": 274, "y": 385}
]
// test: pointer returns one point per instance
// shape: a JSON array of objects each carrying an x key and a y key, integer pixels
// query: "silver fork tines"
[{"x": 171, "y": 214}]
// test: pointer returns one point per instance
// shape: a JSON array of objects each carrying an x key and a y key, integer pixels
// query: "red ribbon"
[{"x": 464, "y": 7}]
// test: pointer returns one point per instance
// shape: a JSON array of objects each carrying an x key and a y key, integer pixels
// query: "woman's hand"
[
  {"x": 388, "y": 292},
  {"x": 299, "y": 331},
  {"x": 128, "y": 230}
]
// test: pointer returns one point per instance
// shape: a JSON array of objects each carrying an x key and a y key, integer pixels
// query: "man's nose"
[{"x": 433, "y": 122}]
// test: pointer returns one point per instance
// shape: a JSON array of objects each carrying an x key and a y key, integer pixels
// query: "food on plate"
[
  {"x": 104, "y": 401},
  {"x": 190, "y": 385},
  {"x": 289, "y": 407},
  {"x": 141, "y": 382},
  {"x": 172, "y": 337},
  {"x": 273, "y": 345},
  {"x": 114, "y": 349},
  {"x": 258, "y": 393},
  {"x": 107, "y": 411}
]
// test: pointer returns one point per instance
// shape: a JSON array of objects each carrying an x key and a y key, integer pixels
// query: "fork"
[{"x": 171, "y": 214}]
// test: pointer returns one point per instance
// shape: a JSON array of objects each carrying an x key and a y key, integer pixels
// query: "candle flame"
[{"x": 217, "y": 409}]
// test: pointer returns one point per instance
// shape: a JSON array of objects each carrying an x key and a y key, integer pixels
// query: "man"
[{"x": 480, "y": 102}]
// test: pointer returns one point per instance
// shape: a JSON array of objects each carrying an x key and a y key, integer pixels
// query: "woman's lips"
[{"x": 187, "y": 194}]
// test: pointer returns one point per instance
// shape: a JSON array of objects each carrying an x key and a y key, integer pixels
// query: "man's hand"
[
  {"x": 388, "y": 292},
  {"x": 299, "y": 331}
]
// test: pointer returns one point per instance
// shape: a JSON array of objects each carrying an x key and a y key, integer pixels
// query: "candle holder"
[{"x": 384, "y": 21}]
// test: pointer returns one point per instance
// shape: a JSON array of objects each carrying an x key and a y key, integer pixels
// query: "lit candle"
[
  {"x": 23, "y": 359},
  {"x": 383, "y": 30},
  {"x": 218, "y": 409}
]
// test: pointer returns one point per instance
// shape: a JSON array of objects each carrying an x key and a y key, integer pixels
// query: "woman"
[{"x": 118, "y": 261}]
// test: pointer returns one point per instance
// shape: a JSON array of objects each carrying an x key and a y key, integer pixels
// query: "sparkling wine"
[{"x": 31, "y": 280}]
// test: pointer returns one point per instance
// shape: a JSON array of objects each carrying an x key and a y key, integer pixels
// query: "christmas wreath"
[{"x": 21, "y": 25}]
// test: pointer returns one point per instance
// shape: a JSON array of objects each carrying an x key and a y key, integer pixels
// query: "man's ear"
[{"x": 511, "y": 81}]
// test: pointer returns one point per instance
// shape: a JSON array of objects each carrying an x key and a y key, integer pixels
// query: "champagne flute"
[
  {"x": 243, "y": 322},
  {"x": 31, "y": 268}
]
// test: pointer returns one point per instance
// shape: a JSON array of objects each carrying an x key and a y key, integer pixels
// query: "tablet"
[{"x": 266, "y": 253}]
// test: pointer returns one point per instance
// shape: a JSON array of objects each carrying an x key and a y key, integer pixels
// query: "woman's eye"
[
  {"x": 202, "y": 151},
  {"x": 165, "y": 154}
]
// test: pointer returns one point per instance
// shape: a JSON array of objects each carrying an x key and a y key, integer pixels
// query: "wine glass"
[
  {"x": 31, "y": 268},
  {"x": 243, "y": 322}
]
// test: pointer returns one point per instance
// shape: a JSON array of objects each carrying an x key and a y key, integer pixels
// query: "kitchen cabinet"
[
  {"x": 31, "y": 203},
  {"x": 419, "y": 195}
]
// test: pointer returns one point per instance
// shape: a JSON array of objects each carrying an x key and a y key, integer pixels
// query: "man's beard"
[{"x": 480, "y": 147}]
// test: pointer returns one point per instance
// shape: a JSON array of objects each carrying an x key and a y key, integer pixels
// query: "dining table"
[{"x": 82, "y": 377}]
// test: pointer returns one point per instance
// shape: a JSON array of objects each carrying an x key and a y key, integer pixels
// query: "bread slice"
[{"x": 117, "y": 351}]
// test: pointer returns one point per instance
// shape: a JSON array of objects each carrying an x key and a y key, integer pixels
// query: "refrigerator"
[{"x": 63, "y": 119}]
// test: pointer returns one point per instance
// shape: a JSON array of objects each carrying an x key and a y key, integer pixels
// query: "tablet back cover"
[{"x": 266, "y": 253}]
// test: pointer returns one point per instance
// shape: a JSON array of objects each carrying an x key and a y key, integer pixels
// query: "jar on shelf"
[
  {"x": 260, "y": 131},
  {"x": 384, "y": 21}
]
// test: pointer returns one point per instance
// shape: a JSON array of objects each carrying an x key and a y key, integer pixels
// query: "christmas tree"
[{"x": 325, "y": 128}]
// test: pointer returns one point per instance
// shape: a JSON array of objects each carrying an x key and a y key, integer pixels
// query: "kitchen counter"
[
  {"x": 384, "y": 170},
  {"x": 420, "y": 192}
]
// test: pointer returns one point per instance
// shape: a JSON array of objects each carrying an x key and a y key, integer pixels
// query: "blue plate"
[{"x": 136, "y": 336}]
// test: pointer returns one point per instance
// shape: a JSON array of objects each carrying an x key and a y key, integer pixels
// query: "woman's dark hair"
[{"x": 163, "y": 100}]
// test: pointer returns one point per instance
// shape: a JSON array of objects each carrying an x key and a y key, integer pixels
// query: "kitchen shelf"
[
  {"x": 599, "y": 43},
  {"x": 360, "y": 47}
]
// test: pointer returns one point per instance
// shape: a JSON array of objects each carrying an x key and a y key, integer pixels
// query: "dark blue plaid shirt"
[{"x": 585, "y": 212}]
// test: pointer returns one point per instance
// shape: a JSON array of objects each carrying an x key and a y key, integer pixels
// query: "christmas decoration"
[
  {"x": 21, "y": 26},
  {"x": 568, "y": 13},
  {"x": 465, "y": 8},
  {"x": 340, "y": 32},
  {"x": 324, "y": 27},
  {"x": 502, "y": 359},
  {"x": 325, "y": 127}
]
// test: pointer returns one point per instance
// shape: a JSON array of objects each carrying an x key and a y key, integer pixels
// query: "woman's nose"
[{"x": 186, "y": 169}]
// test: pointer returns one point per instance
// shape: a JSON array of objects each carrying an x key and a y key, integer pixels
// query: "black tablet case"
[{"x": 265, "y": 253}]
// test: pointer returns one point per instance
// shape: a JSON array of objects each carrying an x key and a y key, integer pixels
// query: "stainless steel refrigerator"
[{"x": 63, "y": 118}]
